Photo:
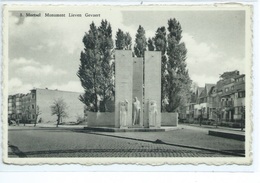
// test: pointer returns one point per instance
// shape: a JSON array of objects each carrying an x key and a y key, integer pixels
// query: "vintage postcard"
[{"x": 157, "y": 84}]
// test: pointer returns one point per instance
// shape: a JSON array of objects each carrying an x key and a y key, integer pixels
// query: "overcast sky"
[{"x": 44, "y": 52}]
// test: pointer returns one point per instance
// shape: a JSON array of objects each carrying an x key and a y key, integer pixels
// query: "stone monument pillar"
[
  {"x": 123, "y": 87},
  {"x": 138, "y": 90},
  {"x": 152, "y": 94}
]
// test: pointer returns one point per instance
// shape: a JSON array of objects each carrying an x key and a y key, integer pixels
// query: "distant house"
[
  {"x": 204, "y": 102},
  {"x": 223, "y": 101},
  {"x": 42, "y": 99},
  {"x": 15, "y": 107},
  {"x": 197, "y": 107},
  {"x": 190, "y": 107}
]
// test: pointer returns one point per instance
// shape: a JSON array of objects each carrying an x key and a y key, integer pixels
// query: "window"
[
  {"x": 33, "y": 95},
  {"x": 33, "y": 116},
  {"x": 32, "y": 106},
  {"x": 236, "y": 110},
  {"x": 232, "y": 87},
  {"x": 241, "y": 94},
  {"x": 226, "y": 89}
]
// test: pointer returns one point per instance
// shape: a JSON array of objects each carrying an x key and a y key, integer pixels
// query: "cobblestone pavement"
[
  {"x": 53, "y": 142},
  {"x": 188, "y": 136}
]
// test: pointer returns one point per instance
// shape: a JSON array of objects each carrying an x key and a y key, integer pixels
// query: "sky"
[{"x": 44, "y": 52}]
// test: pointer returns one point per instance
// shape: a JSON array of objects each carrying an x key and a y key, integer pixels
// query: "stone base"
[
  {"x": 108, "y": 129},
  {"x": 136, "y": 126},
  {"x": 152, "y": 127},
  {"x": 169, "y": 119}
]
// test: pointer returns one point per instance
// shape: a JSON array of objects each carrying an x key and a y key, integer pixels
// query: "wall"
[
  {"x": 101, "y": 119},
  {"x": 239, "y": 102},
  {"x": 169, "y": 119},
  {"x": 45, "y": 98}
]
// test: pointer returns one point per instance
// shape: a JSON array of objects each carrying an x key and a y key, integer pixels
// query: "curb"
[{"x": 228, "y": 135}]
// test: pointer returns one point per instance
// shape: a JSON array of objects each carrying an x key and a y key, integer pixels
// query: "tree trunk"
[
  {"x": 35, "y": 121},
  {"x": 58, "y": 121}
]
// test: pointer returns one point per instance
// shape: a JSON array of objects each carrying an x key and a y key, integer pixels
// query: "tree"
[
  {"x": 228, "y": 75},
  {"x": 194, "y": 86},
  {"x": 37, "y": 113},
  {"x": 140, "y": 42},
  {"x": 150, "y": 44},
  {"x": 175, "y": 80},
  {"x": 128, "y": 41},
  {"x": 217, "y": 113},
  {"x": 123, "y": 40},
  {"x": 96, "y": 68},
  {"x": 59, "y": 108},
  {"x": 178, "y": 80}
]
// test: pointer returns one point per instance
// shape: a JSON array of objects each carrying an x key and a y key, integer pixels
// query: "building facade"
[
  {"x": 36, "y": 106},
  {"x": 15, "y": 106},
  {"x": 223, "y": 101}
]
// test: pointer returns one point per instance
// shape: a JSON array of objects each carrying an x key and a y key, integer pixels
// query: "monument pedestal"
[{"x": 136, "y": 126}]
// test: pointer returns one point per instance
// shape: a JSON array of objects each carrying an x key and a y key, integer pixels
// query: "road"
[{"x": 69, "y": 142}]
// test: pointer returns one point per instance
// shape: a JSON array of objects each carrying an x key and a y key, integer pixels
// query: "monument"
[
  {"x": 137, "y": 93},
  {"x": 130, "y": 86}
]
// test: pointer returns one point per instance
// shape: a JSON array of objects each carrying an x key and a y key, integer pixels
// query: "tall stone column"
[
  {"x": 138, "y": 85},
  {"x": 123, "y": 87},
  {"x": 152, "y": 94}
]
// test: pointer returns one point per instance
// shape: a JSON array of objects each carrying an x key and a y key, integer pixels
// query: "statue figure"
[
  {"x": 137, "y": 109},
  {"x": 123, "y": 113},
  {"x": 98, "y": 103},
  {"x": 152, "y": 113}
]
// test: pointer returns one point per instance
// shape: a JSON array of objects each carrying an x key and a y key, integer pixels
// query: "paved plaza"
[{"x": 184, "y": 141}]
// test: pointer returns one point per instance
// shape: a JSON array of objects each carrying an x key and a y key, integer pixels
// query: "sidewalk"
[
  {"x": 214, "y": 127},
  {"x": 228, "y": 133},
  {"x": 47, "y": 125}
]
